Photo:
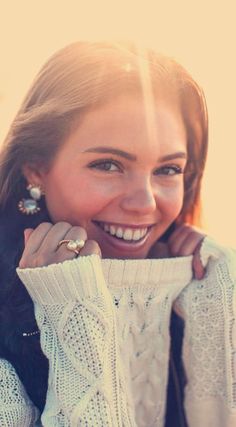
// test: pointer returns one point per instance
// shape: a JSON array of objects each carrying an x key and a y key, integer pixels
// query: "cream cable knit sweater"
[{"x": 105, "y": 329}]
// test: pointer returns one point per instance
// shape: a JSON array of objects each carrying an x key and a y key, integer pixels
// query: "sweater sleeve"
[
  {"x": 76, "y": 317},
  {"x": 209, "y": 348},
  {"x": 16, "y": 409}
]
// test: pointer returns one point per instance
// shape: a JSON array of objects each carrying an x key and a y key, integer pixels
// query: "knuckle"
[
  {"x": 42, "y": 260},
  {"x": 27, "y": 262},
  {"x": 185, "y": 251},
  {"x": 173, "y": 249},
  {"x": 22, "y": 263},
  {"x": 91, "y": 247},
  {"x": 62, "y": 225},
  {"x": 187, "y": 229},
  {"x": 174, "y": 252},
  {"x": 79, "y": 231},
  {"x": 44, "y": 225},
  {"x": 76, "y": 232}
]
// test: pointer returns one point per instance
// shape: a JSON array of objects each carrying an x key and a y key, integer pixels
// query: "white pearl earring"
[{"x": 30, "y": 206}]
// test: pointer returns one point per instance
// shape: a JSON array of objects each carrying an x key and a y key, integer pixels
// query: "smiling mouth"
[{"x": 124, "y": 234}]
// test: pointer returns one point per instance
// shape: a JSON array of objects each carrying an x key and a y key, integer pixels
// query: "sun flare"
[{"x": 36, "y": 30}]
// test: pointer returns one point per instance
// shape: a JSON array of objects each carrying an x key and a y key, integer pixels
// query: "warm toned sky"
[{"x": 199, "y": 34}]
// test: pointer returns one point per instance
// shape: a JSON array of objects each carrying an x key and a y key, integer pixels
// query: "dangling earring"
[{"x": 30, "y": 206}]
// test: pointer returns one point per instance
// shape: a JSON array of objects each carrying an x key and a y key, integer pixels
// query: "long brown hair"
[{"x": 82, "y": 76}]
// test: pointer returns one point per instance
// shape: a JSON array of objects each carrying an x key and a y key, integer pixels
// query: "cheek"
[
  {"x": 171, "y": 200},
  {"x": 96, "y": 195},
  {"x": 76, "y": 198}
]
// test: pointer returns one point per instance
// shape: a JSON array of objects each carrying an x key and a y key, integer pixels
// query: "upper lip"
[{"x": 126, "y": 225}]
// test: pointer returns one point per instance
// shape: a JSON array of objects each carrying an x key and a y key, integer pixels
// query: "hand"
[
  {"x": 187, "y": 240},
  {"x": 41, "y": 244}
]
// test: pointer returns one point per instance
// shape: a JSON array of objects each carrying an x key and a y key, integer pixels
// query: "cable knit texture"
[
  {"x": 105, "y": 329},
  {"x": 16, "y": 409},
  {"x": 209, "y": 352}
]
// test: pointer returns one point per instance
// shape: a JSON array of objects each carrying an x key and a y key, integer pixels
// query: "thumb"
[
  {"x": 198, "y": 268},
  {"x": 27, "y": 233}
]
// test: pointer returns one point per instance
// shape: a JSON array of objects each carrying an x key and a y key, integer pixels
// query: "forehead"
[{"x": 131, "y": 122}]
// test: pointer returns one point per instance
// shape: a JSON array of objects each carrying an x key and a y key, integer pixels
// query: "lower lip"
[{"x": 122, "y": 244}]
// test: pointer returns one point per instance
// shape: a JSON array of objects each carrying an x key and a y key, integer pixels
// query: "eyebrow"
[{"x": 132, "y": 157}]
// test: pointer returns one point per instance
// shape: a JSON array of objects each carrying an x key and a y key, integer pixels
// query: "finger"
[
  {"x": 177, "y": 239},
  {"x": 189, "y": 244},
  {"x": 184, "y": 240},
  {"x": 178, "y": 231},
  {"x": 198, "y": 269},
  {"x": 62, "y": 252},
  {"x": 27, "y": 233},
  {"x": 178, "y": 235},
  {"x": 42, "y": 243},
  {"x": 35, "y": 238},
  {"x": 91, "y": 247},
  {"x": 56, "y": 233}
]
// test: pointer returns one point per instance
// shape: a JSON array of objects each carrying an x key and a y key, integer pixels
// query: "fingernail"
[{"x": 200, "y": 275}]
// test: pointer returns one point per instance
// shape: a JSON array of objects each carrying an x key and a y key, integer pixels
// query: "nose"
[{"x": 139, "y": 196}]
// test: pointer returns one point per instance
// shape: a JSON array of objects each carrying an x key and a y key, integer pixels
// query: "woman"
[{"x": 111, "y": 144}]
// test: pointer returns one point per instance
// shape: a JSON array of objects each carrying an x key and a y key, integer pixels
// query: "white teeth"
[
  {"x": 112, "y": 230},
  {"x": 143, "y": 232},
  {"x": 126, "y": 234},
  {"x": 119, "y": 232},
  {"x": 137, "y": 235}
]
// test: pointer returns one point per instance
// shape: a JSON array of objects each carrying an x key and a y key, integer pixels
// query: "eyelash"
[
  {"x": 175, "y": 170},
  {"x": 103, "y": 162}
]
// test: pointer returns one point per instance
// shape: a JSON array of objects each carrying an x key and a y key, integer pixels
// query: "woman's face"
[{"x": 120, "y": 175}]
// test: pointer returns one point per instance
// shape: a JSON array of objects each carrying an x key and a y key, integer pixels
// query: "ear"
[{"x": 34, "y": 174}]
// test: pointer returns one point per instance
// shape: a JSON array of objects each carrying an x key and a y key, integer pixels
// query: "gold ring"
[{"x": 72, "y": 245}]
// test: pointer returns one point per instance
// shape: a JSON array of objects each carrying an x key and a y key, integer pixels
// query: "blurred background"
[{"x": 200, "y": 35}]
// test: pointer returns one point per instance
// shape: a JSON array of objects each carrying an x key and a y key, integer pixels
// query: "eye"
[
  {"x": 169, "y": 170},
  {"x": 106, "y": 165}
]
